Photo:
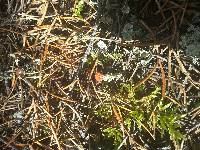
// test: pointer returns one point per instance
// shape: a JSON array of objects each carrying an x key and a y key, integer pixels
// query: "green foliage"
[
  {"x": 79, "y": 8},
  {"x": 114, "y": 133},
  {"x": 168, "y": 120},
  {"x": 113, "y": 56},
  {"x": 104, "y": 112},
  {"x": 150, "y": 112}
]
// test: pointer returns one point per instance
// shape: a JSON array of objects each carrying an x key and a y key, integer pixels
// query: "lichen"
[{"x": 190, "y": 41}]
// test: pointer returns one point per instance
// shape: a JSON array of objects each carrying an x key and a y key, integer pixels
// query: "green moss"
[
  {"x": 150, "y": 113},
  {"x": 79, "y": 8}
]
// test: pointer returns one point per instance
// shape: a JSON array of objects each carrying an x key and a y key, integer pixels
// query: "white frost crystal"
[{"x": 101, "y": 45}]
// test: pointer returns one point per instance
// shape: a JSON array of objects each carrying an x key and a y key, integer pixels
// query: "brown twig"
[
  {"x": 146, "y": 78},
  {"x": 163, "y": 78}
]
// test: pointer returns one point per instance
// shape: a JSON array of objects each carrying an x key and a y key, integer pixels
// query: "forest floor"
[{"x": 111, "y": 75}]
